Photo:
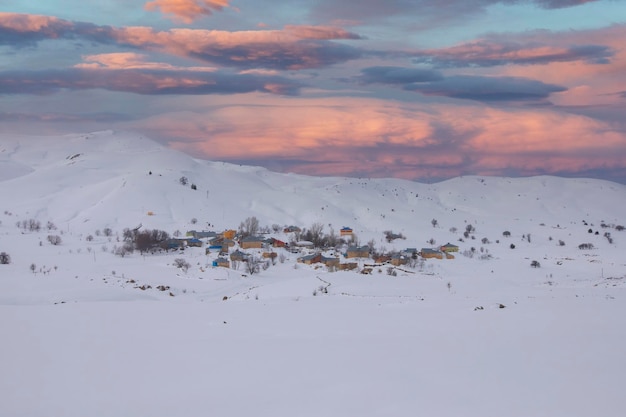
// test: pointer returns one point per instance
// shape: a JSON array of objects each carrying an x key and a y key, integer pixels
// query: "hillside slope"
[{"x": 482, "y": 334}]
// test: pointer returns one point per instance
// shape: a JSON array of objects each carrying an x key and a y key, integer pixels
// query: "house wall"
[
  {"x": 332, "y": 262},
  {"x": 251, "y": 245},
  {"x": 357, "y": 254}
]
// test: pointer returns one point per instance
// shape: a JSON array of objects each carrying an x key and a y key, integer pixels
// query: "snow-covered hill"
[
  {"x": 109, "y": 179},
  {"x": 88, "y": 332}
]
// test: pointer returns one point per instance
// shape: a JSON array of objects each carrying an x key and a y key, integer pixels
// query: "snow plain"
[{"x": 79, "y": 338}]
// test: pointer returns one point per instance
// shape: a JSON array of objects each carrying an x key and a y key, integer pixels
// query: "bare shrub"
[{"x": 54, "y": 239}]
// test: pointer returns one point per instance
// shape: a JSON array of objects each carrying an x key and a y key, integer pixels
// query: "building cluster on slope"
[{"x": 231, "y": 248}]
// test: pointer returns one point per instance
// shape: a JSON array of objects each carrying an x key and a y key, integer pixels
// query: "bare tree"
[
  {"x": 315, "y": 234},
  {"x": 249, "y": 227},
  {"x": 331, "y": 238},
  {"x": 253, "y": 265}
]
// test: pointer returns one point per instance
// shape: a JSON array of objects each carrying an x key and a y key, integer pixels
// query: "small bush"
[
  {"x": 5, "y": 258},
  {"x": 54, "y": 239},
  {"x": 182, "y": 264}
]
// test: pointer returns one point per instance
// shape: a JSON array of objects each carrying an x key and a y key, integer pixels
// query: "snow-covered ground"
[{"x": 484, "y": 334}]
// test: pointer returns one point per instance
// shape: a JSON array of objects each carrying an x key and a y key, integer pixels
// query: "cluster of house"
[{"x": 224, "y": 241}]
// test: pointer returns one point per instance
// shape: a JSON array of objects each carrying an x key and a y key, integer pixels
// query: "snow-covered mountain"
[{"x": 479, "y": 334}]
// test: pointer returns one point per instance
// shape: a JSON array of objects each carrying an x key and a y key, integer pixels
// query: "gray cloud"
[
  {"x": 559, "y": 4},
  {"x": 479, "y": 88},
  {"x": 63, "y": 118},
  {"x": 149, "y": 82},
  {"x": 487, "y": 53},
  {"x": 304, "y": 54},
  {"x": 488, "y": 89},
  {"x": 397, "y": 75},
  {"x": 427, "y": 10}
]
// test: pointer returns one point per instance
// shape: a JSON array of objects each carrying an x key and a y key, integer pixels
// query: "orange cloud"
[{"x": 187, "y": 10}]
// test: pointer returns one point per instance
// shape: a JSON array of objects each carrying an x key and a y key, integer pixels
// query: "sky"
[{"x": 417, "y": 89}]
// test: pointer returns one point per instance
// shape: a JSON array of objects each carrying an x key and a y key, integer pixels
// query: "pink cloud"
[
  {"x": 187, "y": 10},
  {"x": 295, "y": 47},
  {"x": 319, "y": 32},
  {"x": 588, "y": 83},
  {"x": 486, "y": 53},
  {"x": 368, "y": 137},
  {"x": 30, "y": 23},
  {"x": 291, "y": 48},
  {"x": 131, "y": 60}
]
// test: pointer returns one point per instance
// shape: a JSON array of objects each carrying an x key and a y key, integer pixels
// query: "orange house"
[{"x": 229, "y": 234}]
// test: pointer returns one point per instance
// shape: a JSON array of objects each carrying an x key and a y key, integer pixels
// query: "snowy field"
[{"x": 483, "y": 334}]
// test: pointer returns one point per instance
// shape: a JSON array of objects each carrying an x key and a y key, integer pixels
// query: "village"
[{"x": 232, "y": 248}]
